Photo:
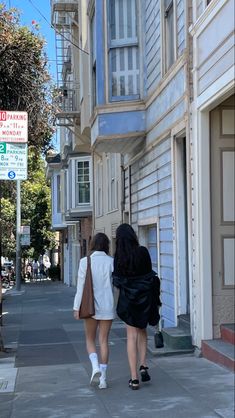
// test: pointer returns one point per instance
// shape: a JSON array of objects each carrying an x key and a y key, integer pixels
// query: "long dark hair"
[
  {"x": 100, "y": 242},
  {"x": 126, "y": 245}
]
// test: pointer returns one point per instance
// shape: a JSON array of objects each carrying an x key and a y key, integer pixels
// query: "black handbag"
[{"x": 158, "y": 339}]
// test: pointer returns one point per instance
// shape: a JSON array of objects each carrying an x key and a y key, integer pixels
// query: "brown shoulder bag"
[{"x": 87, "y": 308}]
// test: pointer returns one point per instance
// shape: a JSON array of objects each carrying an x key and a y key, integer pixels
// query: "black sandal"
[
  {"x": 134, "y": 384},
  {"x": 144, "y": 374}
]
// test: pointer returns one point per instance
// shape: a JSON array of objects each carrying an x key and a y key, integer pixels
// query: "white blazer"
[{"x": 101, "y": 269}]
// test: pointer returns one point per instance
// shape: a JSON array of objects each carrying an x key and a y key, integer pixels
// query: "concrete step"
[
  {"x": 184, "y": 322},
  {"x": 228, "y": 333},
  {"x": 220, "y": 352},
  {"x": 166, "y": 351},
  {"x": 177, "y": 338}
]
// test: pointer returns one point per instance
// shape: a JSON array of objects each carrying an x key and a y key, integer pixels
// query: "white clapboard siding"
[
  {"x": 216, "y": 48},
  {"x": 151, "y": 197},
  {"x": 180, "y": 24},
  {"x": 152, "y": 43},
  {"x": 200, "y": 7}
]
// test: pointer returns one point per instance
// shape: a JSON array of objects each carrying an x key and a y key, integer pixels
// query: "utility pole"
[{"x": 18, "y": 232}]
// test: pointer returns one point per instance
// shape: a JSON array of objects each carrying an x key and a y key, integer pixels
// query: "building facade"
[
  {"x": 153, "y": 95},
  {"x": 213, "y": 167}
]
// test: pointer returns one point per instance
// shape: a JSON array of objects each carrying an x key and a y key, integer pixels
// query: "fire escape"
[{"x": 64, "y": 17}]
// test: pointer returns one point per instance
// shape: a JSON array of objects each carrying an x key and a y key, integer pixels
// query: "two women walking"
[{"x": 139, "y": 289}]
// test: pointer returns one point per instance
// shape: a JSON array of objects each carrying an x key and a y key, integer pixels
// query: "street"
[{"x": 46, "y": 373}]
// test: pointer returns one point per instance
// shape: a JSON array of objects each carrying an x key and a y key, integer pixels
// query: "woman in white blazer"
[{"x": 101, "y": 268}]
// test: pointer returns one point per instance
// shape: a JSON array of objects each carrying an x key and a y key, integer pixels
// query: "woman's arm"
[{"x": 80, "y": 285}]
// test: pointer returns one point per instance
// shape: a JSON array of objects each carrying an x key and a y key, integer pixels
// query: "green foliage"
[
  {"x": 24, "y": 80},
  {"x": 25, "y": 85},
  {"x": 8, "y": 228},
  {"x": 36, "y": 207}
]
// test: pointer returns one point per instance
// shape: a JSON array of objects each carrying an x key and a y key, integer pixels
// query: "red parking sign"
[{"x": 13, "y": 126}]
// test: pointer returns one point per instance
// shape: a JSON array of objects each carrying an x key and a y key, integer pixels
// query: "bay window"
[{"x": 123, "y": 50}]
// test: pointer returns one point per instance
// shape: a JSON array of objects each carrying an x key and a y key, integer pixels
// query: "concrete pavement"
[{"x": 46, "y": 374}]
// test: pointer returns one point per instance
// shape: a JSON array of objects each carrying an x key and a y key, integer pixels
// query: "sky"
[
  {"x": 30, "y": 11},
  {"x": 39, "y": 11}
]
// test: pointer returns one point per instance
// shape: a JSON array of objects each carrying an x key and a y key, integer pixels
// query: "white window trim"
[
  {"x": 72, "y": 182},
  {"x": 99, "y": 186},
  {"x": 164, "y": 69},
  {"x": 112, "y": 207},
  {"x": 82, "y": 159}
]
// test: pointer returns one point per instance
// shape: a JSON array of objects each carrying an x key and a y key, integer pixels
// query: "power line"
[{"x": 56, "y": 30}]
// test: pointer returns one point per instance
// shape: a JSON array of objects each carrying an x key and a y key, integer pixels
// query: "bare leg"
[
  {"x": 104, "y": 328},
  {"x": 132, "y": 335},
  {"x": 90, "y": 330},
  {"x": 142, "y": 345}
]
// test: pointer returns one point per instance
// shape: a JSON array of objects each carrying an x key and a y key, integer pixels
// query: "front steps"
[
  {"x": 221, "y": 350},
  {"x": 177, "y": 340}
]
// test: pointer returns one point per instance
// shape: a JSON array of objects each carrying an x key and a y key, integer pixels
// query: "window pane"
[
  {"x": 122, "y": 60},
  {"x": 130, "y": 84},
  {"x": 130, "y": 59},
  {"x": 125, "y": 76},
  {"x": 121, "y": 20},
  {"x": 84, "y": 193},
  {"x": 114, "y": 85},
  {"x": 112, "y": 19},
  {"x": 113, "y": 60},
  {"x": 122, "y": 86},
  {"x": 169, "y": 38}
]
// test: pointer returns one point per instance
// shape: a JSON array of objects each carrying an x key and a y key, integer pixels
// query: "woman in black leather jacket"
[{"x": 139, "y": 297}]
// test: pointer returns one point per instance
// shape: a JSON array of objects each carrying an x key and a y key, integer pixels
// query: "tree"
[
  {"x": 24, "y": 79},
  {"x": 25, "y": 86},
  {"x": 36, "y": 208}
]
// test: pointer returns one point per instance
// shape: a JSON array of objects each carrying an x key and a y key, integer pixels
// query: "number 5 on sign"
[{"x": 3, "y": 148}]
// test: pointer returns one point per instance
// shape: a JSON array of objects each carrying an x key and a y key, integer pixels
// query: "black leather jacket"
[{"x": 139, "y": 299}]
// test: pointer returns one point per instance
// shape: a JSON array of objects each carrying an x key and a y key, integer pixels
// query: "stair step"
[
  {"x": 220, "y": 352},
  {"x": 228, "y": 333},
  {"x": 177, "y": 338},
  {"x": 166, "y": 351},
  {"x": 184, "y": 322}
]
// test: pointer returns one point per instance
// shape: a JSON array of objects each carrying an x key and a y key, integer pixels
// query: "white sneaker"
[
  {"x": 103, "y": 384},
  {"x": 95, "y": 377}
]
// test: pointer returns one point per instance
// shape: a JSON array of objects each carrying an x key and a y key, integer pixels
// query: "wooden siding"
[
  {"x": 216, "y": 47},
  {"x": 180, "y": 25},
  {"x": 152, "y": 44},
  {"x": 199, "y": 8},
  {"x": 151, "y": 197}
]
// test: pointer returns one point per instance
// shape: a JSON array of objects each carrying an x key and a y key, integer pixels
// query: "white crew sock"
[
  {"x": 103, "y": 369},
  {"x": 94, "y": 361}
]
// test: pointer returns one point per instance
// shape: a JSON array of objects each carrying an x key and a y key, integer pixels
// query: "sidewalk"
[{"x": 47, "y": 373}]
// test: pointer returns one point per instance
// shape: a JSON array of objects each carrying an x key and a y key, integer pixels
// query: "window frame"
[
  {"x": 114, "y": 44},
  {"x": 164, "y": 11},
  {"x": 99, "y": 189},
  {"x": 112, "y": 181},
  {"x": 58, "y": 193},
  {"x": 93, "y": 59},
  {"x": 76, "y": 183}
]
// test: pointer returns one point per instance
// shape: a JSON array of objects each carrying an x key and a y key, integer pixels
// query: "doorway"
[
  {"x": 222, "y": 153},
  {"x": 181, "y": 226}
]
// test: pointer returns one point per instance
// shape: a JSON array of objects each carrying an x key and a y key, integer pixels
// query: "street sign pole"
[
  {"x": 18, "y": 243},
  {"x": 13, "y": 164}
]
